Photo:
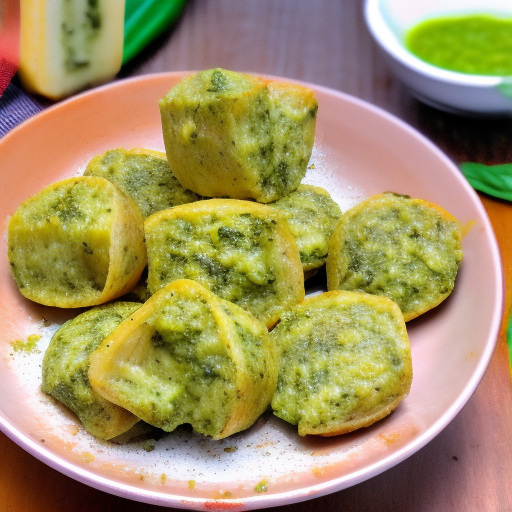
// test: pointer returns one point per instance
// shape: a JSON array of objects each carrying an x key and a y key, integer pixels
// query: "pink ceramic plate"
[{"x": 359, "y": 151}]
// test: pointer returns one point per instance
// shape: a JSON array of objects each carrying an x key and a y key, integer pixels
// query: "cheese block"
[{"x": 67, "y": 46}]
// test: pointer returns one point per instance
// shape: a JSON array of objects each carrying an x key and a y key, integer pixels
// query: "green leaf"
[
  {"x": 509, "y": 342},
  {"x": 495, "y": 180},
  {"x": 505, "y": 87},
  {"x": 145, "y": 20}
]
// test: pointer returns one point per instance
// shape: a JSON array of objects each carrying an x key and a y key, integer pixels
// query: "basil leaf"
[
  {"x": 509, "y": 342},
  {"x": 506, "y": 87},
  {"x": 495, "y": 180}
]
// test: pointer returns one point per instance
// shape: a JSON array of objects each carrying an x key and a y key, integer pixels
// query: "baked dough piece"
[
  {"x": 312, "y": 216},
  {"x": 144, "y": 175},
  {"x": 66, "y": 363},
  {"x": 187, "y": 356},
  {"x": 234, "y": 135},
  {"x": 242, "y": 251},
  {"x": 406, "y": 249},
  {"x": 345, "y": 362},
  {"x": 76, "y": 243}
]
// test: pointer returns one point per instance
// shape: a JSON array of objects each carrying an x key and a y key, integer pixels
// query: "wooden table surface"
[{"x": 468, "y": 466}]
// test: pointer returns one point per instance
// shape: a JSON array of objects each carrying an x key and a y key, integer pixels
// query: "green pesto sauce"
[
  {"x": 476, "y": 44},
  {"x": 28, "y": 346}
]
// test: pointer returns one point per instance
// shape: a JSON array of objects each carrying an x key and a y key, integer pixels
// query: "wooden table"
[{"x": 468, "y": 466}]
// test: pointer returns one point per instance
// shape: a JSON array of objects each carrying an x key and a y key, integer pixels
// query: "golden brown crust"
[{"x": 356, "y": 424}]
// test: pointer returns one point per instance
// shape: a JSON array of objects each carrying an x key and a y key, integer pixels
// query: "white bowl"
[{"x": 389, "y": 20}]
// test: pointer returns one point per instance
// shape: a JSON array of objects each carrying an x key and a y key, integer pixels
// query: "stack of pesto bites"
[
  {"x": 229, "y": 234},
  {"x": 240, "y": 137},
  {"x": 186, "y": 355}
]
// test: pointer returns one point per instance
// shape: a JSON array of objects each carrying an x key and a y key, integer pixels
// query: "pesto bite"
[
  {"x": 144, "y": 175},
  {"x": 76, "y": 243},
  {"x": 344, "y": 363},
  {"x": 235, "y": 135},
  {"x": 241, "y": 250},
  {"x": 66, "y": 364},
  {"x": 187, "y": 356},
  {"x": 312, "y": 216},
  {"x": 393, "y": 245}
]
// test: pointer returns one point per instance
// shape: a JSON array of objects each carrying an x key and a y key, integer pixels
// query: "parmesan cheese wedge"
[{"x": 67, "y": 46}]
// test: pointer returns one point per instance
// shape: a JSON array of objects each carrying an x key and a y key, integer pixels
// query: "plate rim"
[{"x": 312, "y": 491}]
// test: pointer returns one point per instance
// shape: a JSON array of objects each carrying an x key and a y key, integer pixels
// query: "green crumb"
[
  {"x": 28, "y": 346},
  {"x": 149, "y": 445},
  {"x": 230, "y": 449},
  {"x": 88, "y": 457},
  {"x": 262, "y": 486}
]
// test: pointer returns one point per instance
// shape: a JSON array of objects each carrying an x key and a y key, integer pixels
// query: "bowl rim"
[{"x": 387, "y": 40}]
